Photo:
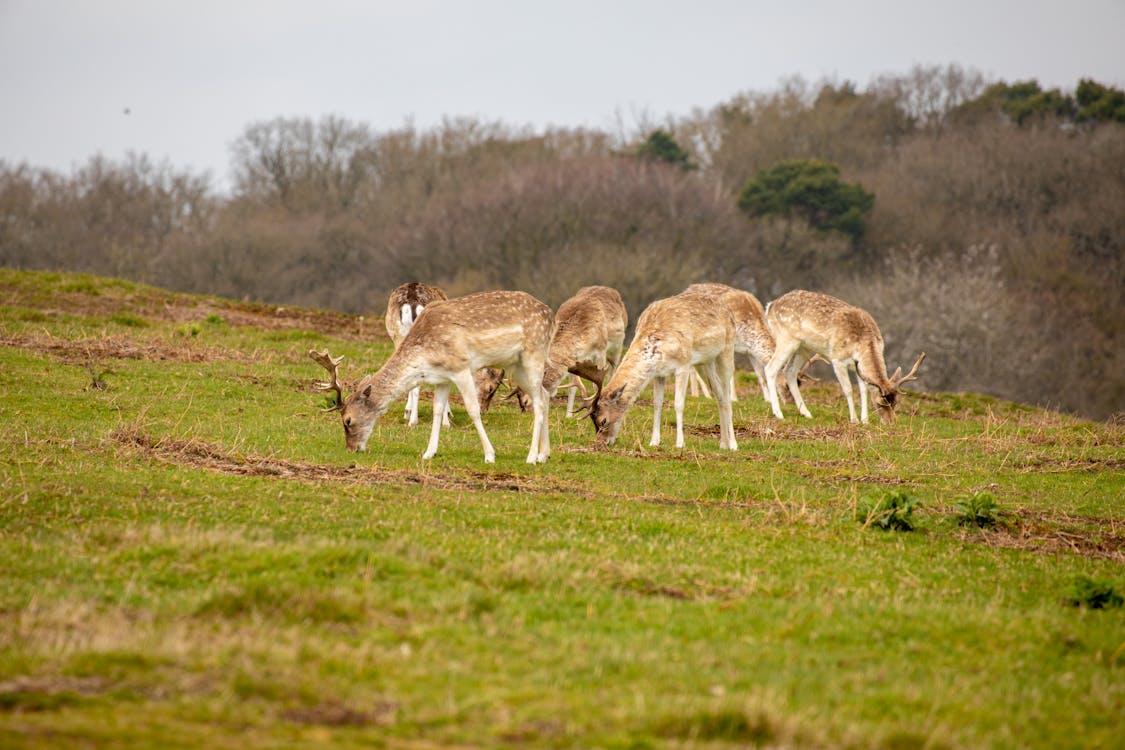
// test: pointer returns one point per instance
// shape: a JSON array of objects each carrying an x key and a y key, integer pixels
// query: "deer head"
[
  {"x": 488, "y": 381},
  {"x": 607, "y": 412},
  {"x": 887, "y": 400},
  {"x": 358, "y": 413}
]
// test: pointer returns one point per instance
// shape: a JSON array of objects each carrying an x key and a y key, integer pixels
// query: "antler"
[
  {"x": 330, "y": 363},
  {"x": 898, "y": 379}
]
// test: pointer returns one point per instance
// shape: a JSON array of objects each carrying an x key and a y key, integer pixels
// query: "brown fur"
[
  {"x": 672, "y": 335},
  {"x": 449, "y": 342},
  {"x": 805, "y": 323}
]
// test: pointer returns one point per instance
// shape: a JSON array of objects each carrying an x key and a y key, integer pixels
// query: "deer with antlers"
[
  {"x": 806, "y": 323},
  {"x": 444, "y": 347},
  {"x": 587, "y": 342},
  {"x": 588, "y": 339},
  {"x": 673, "y": 335}
]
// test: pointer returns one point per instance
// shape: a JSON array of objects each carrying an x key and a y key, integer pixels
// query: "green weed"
[
  {"x": 977, "y": 509},
  {"x": 893, "y": 511}
]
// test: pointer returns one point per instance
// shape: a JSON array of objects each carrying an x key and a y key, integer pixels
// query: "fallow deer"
[
  {"x": 805, "y": 323},
  {"x": 673, "y": 335},
  {"x": 444, "y": 347},
  {"x": 588, "y": 339},
  {"x": 752, "y": 336},
  {"x": 406, "y": 303}
]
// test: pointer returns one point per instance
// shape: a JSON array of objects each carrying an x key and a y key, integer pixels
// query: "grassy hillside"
[{"x": 190, "y": 558}]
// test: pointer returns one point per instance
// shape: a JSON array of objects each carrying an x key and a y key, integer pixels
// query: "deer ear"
[
  {"x": 367, "y": 393},
  {"x": 615, "y": 394}
]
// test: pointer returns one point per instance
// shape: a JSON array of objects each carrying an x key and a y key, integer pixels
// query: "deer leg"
[
  {"x": 682, "y": 379},
  {"x": 446, "y": 414},
  {"x": 721, "y": 371},
  {"x": 760, "y": 374},
  {"x": 791, "y": 370},
  {"x": 531, "y": 383},
  {"x": 468, "y": 387},
  {"x": 657, "y": 406},
  {"x": 862, "y": 398},
  {"x": 841, "y": 370},
  {"x": 441, "y": 398},
  {"x": 544, "y": 429},
  {"x": 411, "y": 414},
  {"x": 780, "y": 357},
  {"x": 570, "y": 402}
]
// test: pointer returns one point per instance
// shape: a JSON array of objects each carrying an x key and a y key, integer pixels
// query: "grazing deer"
[
  {"x": 752, "y": 336},
  {"x": 444, "y": 347},
  {"x": 806, "y": 323},
  {"x": 673, "y": 335},
  {"x": 406, "y": 303},
  {"x": 587, "y": 342},
  {"x": 588, "y": 339}
]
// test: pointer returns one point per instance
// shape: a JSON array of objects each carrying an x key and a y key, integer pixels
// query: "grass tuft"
[{"x": 1092, "y": 594}]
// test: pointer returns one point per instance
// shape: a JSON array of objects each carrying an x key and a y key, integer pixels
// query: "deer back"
[
  {"x": 588, "y": 324},
  {"x": 752, "y": 334},
  {"x": 673, "y": 333},
  {"x": 487, "y": 329},
  {"x": 832, "y": 328}
]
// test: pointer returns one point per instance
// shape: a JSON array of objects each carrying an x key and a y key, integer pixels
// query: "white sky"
[{"x": 193, "y": 74}]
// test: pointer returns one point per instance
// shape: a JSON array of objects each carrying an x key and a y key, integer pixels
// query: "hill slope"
[{"x": 191, "y": 558}]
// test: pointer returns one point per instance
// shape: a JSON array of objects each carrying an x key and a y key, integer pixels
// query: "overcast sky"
[{"x": 181, "y": 80}]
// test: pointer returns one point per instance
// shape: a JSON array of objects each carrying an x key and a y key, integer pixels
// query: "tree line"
[{"x": 981, "y": 221}]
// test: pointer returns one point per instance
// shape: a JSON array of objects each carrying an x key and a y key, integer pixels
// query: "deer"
[
  {"x": 807, "y": 323},
  {"x": 405, "y": 304},
  {"x": 673, "y": 335},
  {"x": 752, "y": 335},
  {"x": 588, "y": 339},
  {"x": 587, "y": 342},
  {"x": 444, "y": 347}
]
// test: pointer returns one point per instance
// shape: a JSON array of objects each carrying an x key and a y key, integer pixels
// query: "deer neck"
[
  {"x": 871, "y": 367},
  {"x": 635, "y": 372},
  {"x": 393, "y": 379}
]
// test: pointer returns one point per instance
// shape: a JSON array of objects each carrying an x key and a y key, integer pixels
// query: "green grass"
[{"x": 190, "y": 558}]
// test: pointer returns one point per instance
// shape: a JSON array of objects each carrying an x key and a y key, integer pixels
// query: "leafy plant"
[
  {"x": 1094, "y": 594},
  {"x": 893, "y": 511},
  {"x": 977, "y": 509}
]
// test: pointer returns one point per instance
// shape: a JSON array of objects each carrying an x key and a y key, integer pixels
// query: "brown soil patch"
[
  {"x": 185, "y": 309},
  {"x": 1051, "y": 465},
  {"x": 199, "y": 454},
  {"x": 334, "y": 714},
  {"x": 778, "y": 431},
  {"x": 203, "y": 455},
  {"x": 87, "y": 351},
  {"x": 1055, "y": 533}
]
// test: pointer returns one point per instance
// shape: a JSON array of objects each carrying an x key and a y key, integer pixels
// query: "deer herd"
[{"x": 474, "y": 342}]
